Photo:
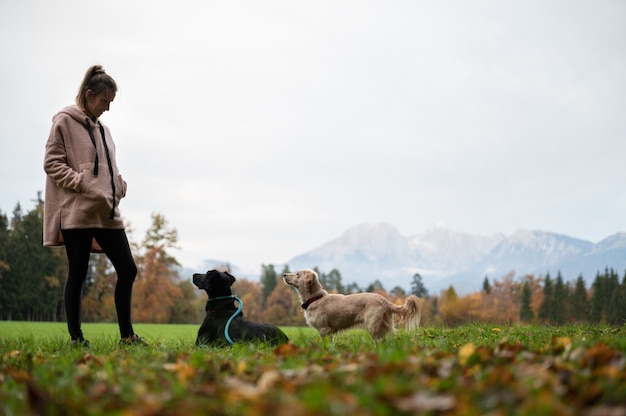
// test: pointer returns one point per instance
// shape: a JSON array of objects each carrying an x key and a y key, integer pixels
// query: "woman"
[{"x": 83, "y": 190}]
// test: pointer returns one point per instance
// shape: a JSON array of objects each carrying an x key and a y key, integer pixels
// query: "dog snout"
[
  {"x": 287, "y": 278},
  {"x": 199, "y": 280}
]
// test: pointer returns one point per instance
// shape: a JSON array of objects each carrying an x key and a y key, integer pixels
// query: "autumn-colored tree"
[
  {"x": 251, "y": 295},
  {"x": 502, "y": 304},
  {"x": 450, "y": 308},
  {"x": 376, "y": 287},
  {"x": 427, "y": 317},
  {"x": 459, "y": 310},
  {"x": 283, "y": 308},
  {"x": 526, "y": 313},
  {"x": 397, "y": 295},
  {"x": 434, "y": 312},
  {"x": 189, "y": 308},
  {"x": 99, "y": 290},
  {"x": 155, "y": 289}
]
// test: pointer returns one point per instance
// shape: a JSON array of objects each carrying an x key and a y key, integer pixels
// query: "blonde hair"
[{"x": 97, "y": 81}]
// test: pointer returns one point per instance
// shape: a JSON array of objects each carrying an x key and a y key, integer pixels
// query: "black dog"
[{"x": 221, "y": 307}]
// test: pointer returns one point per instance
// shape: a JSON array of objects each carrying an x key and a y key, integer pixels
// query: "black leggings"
[{"x": 115, "y": 245}]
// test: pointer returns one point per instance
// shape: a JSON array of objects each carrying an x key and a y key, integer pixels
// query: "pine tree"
[
  {"x": 6, "y": 292},
  {"x": 580, "y": 303},
  {"x": 268, "y": 279},
  {"x": 613, "y": 294},
  {"x": 486, "y": 285},
  {"x": 545, "y": 311},
  {"x": 526, "y": 312},
  {"x": 353, "y": 288},
  {"x": 597, "y": 298},
  {"x": 417, "y": 286},
  {"x": 397, "y": 291},
  {"x": 333, "y": 281},
  {"x": 33, "y": 287},
  {"x": 622, "y": 301},
  {"x": 163, "y": 238},
  {"x": 559, "y": 301},
  {"x": 375, "y": 286}
]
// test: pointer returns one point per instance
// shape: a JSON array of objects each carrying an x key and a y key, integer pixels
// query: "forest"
[{"x": 32, "y": 279}]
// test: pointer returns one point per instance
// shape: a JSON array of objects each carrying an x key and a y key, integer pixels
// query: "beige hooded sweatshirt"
[{"x": 83, "y": 185}]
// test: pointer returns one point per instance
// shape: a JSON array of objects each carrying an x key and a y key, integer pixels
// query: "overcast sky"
[{"x": 263, "y": 129}]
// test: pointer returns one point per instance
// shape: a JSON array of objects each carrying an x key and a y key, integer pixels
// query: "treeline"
[
  {"x": 532, "y": 299},
  {"x": 32, "y": 279}
]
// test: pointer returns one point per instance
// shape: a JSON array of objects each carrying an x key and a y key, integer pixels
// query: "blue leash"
[{"x": 237, "y": 312}]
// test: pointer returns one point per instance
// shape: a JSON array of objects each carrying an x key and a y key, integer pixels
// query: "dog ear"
[
  {"x": 309, "y": 282},
  {"x": 231, "y": 277}
]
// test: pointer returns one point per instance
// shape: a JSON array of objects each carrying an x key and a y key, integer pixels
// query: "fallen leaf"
[
  {"x": 465, "y": 352},
  {"x": 287, "y": 350},
  {"x": 13, "y": 354},
  {"x": 424, "y": 402},
  {"x": 19, "y": 375},
  {"x": 182, "y": 370},
  {"x": 561, "y": 344},
  {"x": 267, "y": 381}
]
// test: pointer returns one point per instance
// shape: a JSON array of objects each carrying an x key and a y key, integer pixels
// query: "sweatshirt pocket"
[
  {"x": 96, "y": 192},
  {"x": 120, "y": 187}
]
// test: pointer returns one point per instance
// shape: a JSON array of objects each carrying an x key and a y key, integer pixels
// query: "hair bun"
[{"x": 98, "y": 69}]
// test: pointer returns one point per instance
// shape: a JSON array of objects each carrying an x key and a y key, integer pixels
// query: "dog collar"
[
  {"x": 308, "y": 303},
  {"x": 223, "y": 297}
]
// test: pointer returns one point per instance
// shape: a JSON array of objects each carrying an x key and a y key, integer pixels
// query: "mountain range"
[{"x": 445, "y": 257}]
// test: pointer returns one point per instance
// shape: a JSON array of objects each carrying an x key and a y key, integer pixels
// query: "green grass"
[{"x": 473, "y": 369}]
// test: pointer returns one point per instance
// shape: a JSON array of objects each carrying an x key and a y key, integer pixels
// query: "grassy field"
[{"x": 470, "y": 370}]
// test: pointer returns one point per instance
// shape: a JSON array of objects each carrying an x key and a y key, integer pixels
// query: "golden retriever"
[{"x": 330, "y": 313}]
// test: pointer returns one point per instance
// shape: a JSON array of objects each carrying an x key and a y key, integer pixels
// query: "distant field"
[
  {"x": 159, "y": 333},
  {"x": 10, "y": 329}
]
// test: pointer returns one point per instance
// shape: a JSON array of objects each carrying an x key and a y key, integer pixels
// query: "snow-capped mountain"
[{"x": 444, "y": 257}]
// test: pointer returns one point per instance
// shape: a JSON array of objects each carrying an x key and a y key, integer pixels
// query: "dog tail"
[{"x": 410, "y": 313}]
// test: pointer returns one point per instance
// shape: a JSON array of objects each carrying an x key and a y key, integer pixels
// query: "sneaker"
[
  {"x": 133, "y": 340},
  {"x": 80, "y": 342}
]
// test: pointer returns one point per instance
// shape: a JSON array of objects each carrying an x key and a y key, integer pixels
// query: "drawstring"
[
  {"x": 93, "y": 140},
  {"x": 106, "y": 151}
]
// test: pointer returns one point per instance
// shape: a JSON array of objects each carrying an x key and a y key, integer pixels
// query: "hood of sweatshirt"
[{"x": 74, "y": 112}]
